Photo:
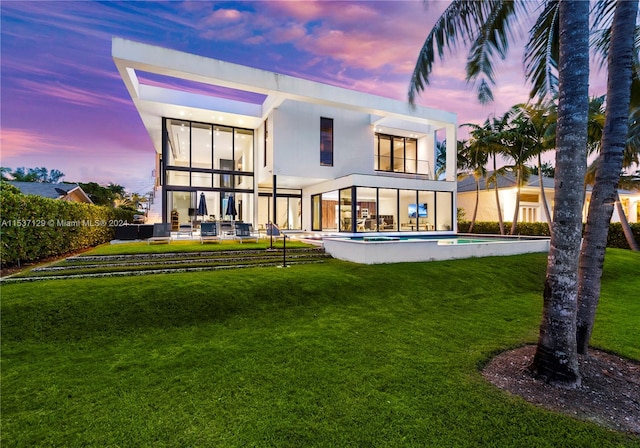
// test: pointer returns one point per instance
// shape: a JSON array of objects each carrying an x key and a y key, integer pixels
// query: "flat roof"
[{"x": 269, "y": 89}]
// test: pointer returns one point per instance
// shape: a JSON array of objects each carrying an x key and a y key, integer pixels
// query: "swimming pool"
[{"x": 398, "y": 249}]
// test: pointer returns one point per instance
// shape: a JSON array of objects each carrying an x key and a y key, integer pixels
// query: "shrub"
[
  {"x": 34, "y": 227},
  {"x": 615, "y": 239}
]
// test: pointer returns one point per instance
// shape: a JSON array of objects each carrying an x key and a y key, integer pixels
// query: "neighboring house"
[
  {"x": 531, "y": 207},
  {"x": 301, "y": 154},
  {"x": 64, "y": 192}
]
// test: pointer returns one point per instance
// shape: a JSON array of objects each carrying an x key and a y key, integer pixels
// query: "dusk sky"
[{"x": 64, "y": 106}]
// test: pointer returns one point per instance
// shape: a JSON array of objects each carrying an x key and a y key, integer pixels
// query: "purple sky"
[{"x": 64, "y": 106}]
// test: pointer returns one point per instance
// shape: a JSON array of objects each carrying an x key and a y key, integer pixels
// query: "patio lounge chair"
[
  {"x": 273, "y": 231},
  {"x": 161, "y": 233},
  {"x": 209, "y": 232},
  {"x": 226, "y": 229},
  {"x": 185, "y": 230},
  {"x": 243, "y": 232}
]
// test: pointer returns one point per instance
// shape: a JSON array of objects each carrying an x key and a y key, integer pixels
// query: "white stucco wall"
[{"x": 296, "y": 140}]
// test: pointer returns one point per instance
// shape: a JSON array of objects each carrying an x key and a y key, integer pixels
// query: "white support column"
[{"x": 452, "y": 153}]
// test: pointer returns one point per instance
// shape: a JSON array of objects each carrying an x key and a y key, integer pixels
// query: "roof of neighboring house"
[
  {"x": 507, "y": 180},
  {"x": 53, "y": 191}
]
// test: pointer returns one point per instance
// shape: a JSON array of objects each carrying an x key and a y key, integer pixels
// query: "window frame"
[{"x": 326, "y": 141}]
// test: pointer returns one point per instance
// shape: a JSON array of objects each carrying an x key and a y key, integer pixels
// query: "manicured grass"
[
  {"x": 188, "y": 246},
  {"x": 331, "y": 354}
]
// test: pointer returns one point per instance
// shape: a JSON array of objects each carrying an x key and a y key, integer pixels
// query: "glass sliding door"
[
  {"x": 426, "y": 202},
  {"x": 346, "y": 221},
  {"x": 444, "y": 210},
  {"x": 388, "y": 209},
  {"x": 366, "y": 209}
]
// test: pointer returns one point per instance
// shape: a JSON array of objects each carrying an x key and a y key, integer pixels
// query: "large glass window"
[
  {"x": 397, "y": 154},
  {"x": 326, "y": 141},
  {"x": 217, "y": 160},
  {"x": 330, "y": 214},
  {"x": 243, "y": 150},
  {"x": 388, "y": 209},
  {"x": 179, "y": 136},
  {"x": 316, "y": 212},
  {"x": 426, "y": 201},
  {"x": 223, "y": 148},
  {"x": 366, "y": 209},
  {"x": 345, "y": 210},
  {"x": 201, "y": 138},
  {"x": 444, "y": 210},
  {"x": 383, "y": 210}
]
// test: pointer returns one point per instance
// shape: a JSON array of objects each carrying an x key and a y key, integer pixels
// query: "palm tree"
[
  {"x": 486, "y": 25},
  {"x": 489, "y": 137},
  {"x": 556, "y": 355},
  {"x": 539, "y": 118},
  {"x": 474, "y": 158},
  {"x": 605, "y": 190},
  {"x": 519, "y": 148}
]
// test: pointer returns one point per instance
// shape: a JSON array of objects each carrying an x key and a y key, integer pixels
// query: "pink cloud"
[
  {"x": 73, "y": 95},
  {"x": 19, "y": 142}
]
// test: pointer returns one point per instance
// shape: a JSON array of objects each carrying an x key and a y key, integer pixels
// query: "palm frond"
[
  {"x": 492, "y": 40},
  {"x": 484, "y": 25},
  {"x": 542, "y": 51}
]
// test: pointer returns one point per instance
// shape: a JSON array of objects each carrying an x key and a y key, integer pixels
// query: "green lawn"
[{"x": 324, "y": 355}]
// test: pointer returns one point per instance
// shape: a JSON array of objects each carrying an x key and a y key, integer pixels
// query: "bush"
[
  {"x": 34, "y": 227},
  {"x": 615, "y": 239}
]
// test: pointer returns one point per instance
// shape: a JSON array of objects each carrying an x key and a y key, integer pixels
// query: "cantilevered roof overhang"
[{"x": 154, "y": 102}]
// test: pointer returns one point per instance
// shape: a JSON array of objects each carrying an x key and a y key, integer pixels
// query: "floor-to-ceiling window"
[
  {"x": 209, "y": 158},
  {"x": 398, "y": 154},
  {"x": 288, "y": 209},
  {"x": 382, "y": 210}
]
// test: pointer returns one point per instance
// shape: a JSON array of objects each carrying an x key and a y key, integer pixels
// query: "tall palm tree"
[
  {"x": 486, "y": 25},
  {"x": 473, "y": 159},
  {"x": 605, "y": 190},
  {"x": 556, "y": 354},
  {"x": 519, "y": 148},
  {"x": 489, "y": 137},
  {"x": 539, "y": 118}
]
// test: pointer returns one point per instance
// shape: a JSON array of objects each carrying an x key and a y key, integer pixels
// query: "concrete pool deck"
[{"x": 431, "y": 248}]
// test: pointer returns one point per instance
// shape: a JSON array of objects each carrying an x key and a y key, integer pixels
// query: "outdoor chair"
[
  {"x": 226, "y": 229},
  {"x": 273, "y": 231},
  {"x": 185, "y": 230},
  {"x": 161, "y": 233},
  {"x": 243, "y": 232},
  {"x": 209, "y": 232}
]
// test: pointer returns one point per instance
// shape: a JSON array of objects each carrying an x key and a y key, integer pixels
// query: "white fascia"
[{"x": 154, "y": 59}]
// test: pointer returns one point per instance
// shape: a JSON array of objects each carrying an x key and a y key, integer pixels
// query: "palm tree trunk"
[
  {"x": 495, "y": 187},
  {"x": 475, "y": 208},
  {"x": 514, "y": 223},
  {"x": 556, "y": 357},
  {"x": 605, "y": 189},
  {"x": 626, "y": 228},
  {"x": 543, "y": 196}
]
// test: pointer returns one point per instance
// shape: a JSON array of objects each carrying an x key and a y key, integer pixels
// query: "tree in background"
[{"x": 38, "y": 174}]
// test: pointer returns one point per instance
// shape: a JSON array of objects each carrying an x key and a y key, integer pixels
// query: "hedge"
[
  {"x": 615, "y": 239},
  {"x": 33, "y": 227}
]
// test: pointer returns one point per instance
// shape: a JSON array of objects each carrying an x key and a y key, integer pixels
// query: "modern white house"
[
  {"x": 530, "y": 208},
  {"x": 305, "y": 155}
]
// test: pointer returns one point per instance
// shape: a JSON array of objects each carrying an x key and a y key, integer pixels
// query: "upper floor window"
[
  {"x": 397, "y": 154},
  {"x": 326, "y": 141}
]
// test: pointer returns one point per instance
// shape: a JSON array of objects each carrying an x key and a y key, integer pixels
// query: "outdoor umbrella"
[
  {"x": 231, "y": 208},
  {"x": 202, "y": 206}
]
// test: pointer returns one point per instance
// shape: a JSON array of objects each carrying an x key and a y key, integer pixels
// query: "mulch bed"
[{"x": 609, "y": 394}]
